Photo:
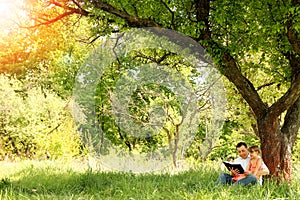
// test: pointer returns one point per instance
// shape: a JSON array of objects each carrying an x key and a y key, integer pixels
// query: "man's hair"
[{"x": 241, "y": 144}]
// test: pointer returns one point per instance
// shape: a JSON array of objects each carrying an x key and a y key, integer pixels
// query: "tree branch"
[
  {"x": 78, "y": 10},
  {"x": 293, "y": 39},
  {"x": 293, "y": 93},
  {"x": 228, "y": 64},
  {"x": 264, "y": 85},
  {"x": 172, "y": 14},
  {"x": 291, "y": 33},
  {"x": 133, "y": 21},
  {"x": 47, "y": 22},
  {"x": 68, "y": 11}
]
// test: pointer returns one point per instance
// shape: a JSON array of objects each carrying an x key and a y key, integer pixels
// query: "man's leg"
[
  {"x": 224, "y": 179},
  {"x": 250, "y": 179}
]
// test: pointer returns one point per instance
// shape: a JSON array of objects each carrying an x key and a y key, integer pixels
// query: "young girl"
[{"x": 255, "y": 163}]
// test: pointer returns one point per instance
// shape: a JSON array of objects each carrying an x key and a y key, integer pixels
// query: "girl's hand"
[{"x": 247, "y": 172}]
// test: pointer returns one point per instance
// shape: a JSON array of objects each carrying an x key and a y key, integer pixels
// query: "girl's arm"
[
  {"x": 257, "y": 167},
  {"x": 248, "y": 166},
  {"x": 247, "y": 171}
]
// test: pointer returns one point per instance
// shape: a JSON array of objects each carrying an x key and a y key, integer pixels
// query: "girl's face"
[{"x": 253, "y": 154}]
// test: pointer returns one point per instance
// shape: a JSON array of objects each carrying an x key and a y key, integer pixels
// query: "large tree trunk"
[
  {"x": 269, "y": 132},
  {"x": 289, "y": 133},
  {"x": 277, "y": 144},
  {"x": 276, "y": 149}
]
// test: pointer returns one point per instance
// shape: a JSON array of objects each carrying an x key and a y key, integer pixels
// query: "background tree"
[
  {"x": 34, "y": 122},
  {"x": 159, "y": 107},
  {"x": 37, "y": 71},
  {"x": 232, "y": 33}
]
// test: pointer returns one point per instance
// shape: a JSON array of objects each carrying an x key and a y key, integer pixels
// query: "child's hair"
[{"x": 254, "y": 148}]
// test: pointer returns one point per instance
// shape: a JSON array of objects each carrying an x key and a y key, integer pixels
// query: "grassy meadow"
[{"x": 74, "y": 180}]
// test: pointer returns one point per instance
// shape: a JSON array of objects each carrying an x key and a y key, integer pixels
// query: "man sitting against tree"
[{"x": 242, "y": 179}]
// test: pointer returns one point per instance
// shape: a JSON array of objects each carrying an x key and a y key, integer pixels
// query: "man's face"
[{"x": 243, "y": 152}]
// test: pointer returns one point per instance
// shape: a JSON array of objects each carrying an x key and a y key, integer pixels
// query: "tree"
[
  {"x": 146, "y": 100},
  {"x": 231, "y": 32},
  {"x": 34, "y": 121}
]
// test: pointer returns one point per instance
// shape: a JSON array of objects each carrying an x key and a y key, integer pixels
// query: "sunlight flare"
[{"x": 10, "y": 14}]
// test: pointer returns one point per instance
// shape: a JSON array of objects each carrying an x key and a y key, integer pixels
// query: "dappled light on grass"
[{"x": 53, "y": 180}]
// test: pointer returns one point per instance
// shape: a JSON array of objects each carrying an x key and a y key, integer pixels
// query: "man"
[{"x": 242, "y": 179}]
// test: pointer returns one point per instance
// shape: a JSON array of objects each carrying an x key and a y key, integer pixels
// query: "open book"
[{"x": 234, "y": 166}]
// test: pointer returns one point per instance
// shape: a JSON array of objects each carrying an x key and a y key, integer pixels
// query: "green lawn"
[{"x": 59, "y": 180}]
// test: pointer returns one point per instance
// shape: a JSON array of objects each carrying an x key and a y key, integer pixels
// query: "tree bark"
[
  {"x": 289, "y": 133},
  {"x": 277, "y": 144},
  {"x": 269, "y": 133}
]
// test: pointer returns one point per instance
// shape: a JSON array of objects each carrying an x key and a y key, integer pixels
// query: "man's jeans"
[{"x": 227, "y": 179}]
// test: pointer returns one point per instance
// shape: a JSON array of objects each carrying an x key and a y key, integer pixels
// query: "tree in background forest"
[
  {"x": 243, "y": 37},
  {"x": 37, "y": 67},
  {"x": 34, "y": 123}
]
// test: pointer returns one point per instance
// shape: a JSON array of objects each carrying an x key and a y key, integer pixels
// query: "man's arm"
[{"x": 264, "y": 171}]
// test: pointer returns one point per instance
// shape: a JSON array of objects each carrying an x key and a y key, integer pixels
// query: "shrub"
[{"x": 34, "y": 121}]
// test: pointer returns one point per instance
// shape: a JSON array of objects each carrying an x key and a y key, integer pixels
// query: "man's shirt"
[
  {"x": 245, "y": 162},
  {"x": 242, "y": 161}
]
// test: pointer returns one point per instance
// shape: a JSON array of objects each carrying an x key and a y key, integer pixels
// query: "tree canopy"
[{"x": 254, "y": 44}]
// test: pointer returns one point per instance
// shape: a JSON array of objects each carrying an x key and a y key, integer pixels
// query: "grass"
[{"x": 59, "y": 180}]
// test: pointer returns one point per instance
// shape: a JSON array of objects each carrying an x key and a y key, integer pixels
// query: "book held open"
[{"x": 234, "y": 166}]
